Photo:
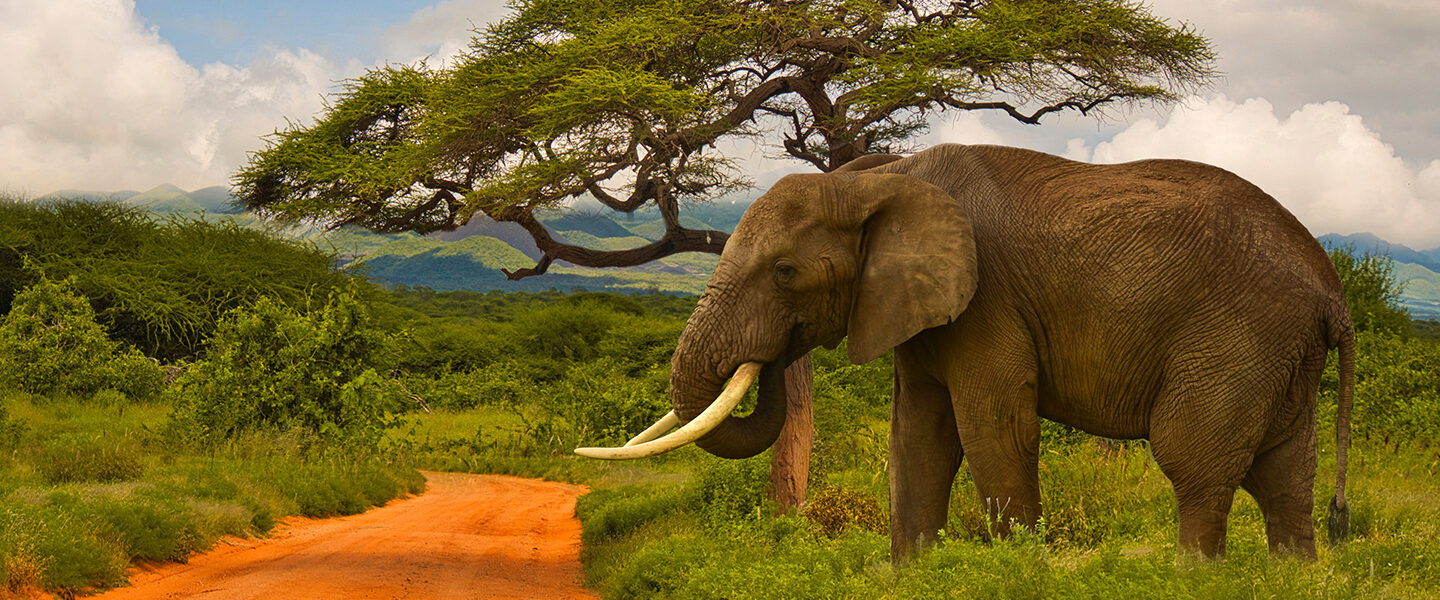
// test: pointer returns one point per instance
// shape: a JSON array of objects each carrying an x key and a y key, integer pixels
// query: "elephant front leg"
[{"x": 925, "y": 455}]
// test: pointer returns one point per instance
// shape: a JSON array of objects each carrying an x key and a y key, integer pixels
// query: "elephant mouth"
[
  {"x": 655, "y": 440},
  {"x": 651, "y": 443}
]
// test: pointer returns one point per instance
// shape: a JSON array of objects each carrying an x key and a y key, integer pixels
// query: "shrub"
[
  {"x": 1397, "y": 389},
  {"x": 1371, "y": 292},
  {"x": 271, "y": 367},
  {"x": 837, "y": 509},
  {"x": 601, "y": 404},
  {"x": 157, "y": 284},
  {"x": 51, "y": 344},
  {"x": 730, "y": 490}
]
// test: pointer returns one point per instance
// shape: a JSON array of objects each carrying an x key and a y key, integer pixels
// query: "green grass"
[
  {"x": 86, "y": 489},
  {"x": 1109, "y": 532}
]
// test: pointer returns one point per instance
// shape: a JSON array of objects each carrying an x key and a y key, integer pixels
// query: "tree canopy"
[{"x": 625, "y": 100}]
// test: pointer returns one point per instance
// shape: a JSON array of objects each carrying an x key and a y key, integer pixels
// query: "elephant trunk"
[{"x": 696, "y": 378}]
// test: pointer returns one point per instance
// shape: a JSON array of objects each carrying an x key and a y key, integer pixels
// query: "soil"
[{"x": 467, "y": 536}]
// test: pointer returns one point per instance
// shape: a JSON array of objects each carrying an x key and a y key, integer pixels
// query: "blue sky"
[
  {"x": 237, "y": 31},
  {"x": 1329, "y": 105}
]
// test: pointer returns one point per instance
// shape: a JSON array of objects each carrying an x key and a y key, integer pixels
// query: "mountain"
[
  {"x": 1369, "y": 242},
  {"x": 1420, "y": 293},
  {"x": 89, "y": 195},
  {"x": 510, "y": 233},
  {"x": 163, "y": 198}
]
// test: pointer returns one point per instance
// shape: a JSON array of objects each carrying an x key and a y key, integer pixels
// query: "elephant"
[{"x": 1165, "y": 300}]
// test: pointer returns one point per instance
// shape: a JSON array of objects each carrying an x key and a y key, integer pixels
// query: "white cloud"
[
  {"x": 1320, "y": 161},
  {"x": 94, "y": 99},
  {"x": 439, "y": 32}
]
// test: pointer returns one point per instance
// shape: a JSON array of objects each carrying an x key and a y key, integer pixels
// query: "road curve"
[{"x": 467, "y": 536}]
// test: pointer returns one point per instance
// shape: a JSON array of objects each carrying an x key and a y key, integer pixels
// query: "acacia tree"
[{"x": 625, "y": 100}]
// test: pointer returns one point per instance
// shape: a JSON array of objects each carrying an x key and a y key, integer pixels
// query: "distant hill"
[
  {"x": 1421, "y": 292},
  {"x": 90, "y": 195},
  {"x": 1369, "y": 242},
  {"x": 510, "y": 233},
  {"x": 596, "y": 224},
  {"x": 164, "y": 198}
]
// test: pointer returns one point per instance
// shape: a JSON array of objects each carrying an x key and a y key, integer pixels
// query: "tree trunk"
[{"x": 790, "y": 469}]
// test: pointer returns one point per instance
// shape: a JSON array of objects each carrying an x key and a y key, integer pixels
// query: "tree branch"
[{"x": 675, "y": 241}]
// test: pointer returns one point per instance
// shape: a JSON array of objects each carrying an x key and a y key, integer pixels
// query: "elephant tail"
[{"x": 1339, "y": 518}]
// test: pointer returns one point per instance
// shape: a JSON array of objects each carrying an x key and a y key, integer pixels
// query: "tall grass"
[{"x": 86, "y": 489}]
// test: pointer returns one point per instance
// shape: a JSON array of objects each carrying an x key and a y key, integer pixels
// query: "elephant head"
[{"x": 820, "y": 257}]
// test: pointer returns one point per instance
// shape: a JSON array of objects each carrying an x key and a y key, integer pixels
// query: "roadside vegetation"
[
  {"x": 116, "y": 449},
  {"x": 145, "y": 413}
]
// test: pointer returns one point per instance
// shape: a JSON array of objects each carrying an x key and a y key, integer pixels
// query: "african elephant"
[{"x": 1161, "y": 299}]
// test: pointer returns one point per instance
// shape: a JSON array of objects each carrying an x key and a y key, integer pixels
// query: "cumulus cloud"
[
  {"x": 94, "y": 99},
  {"x": 1320, "y": 161},
  {"x": 440, "y": 32},
  {"x": 1380, "y": 57}
]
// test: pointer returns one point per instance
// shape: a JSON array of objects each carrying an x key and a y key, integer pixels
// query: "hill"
[{"x": 1369, "y": 242}]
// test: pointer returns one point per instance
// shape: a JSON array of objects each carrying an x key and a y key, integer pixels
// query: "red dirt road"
[{"x": 467, "y": 536}]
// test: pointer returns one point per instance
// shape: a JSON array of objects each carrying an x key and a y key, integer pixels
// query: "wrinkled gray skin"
[{"x": 1165, "y": 300}]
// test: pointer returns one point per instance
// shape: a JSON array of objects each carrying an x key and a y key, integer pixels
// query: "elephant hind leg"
[
  {"x": 1282, "y": 481},
  {"x": 1203, "y": 434},
  {"x": 1282, "y": 477},
  {"x": 925, "y": 455}
]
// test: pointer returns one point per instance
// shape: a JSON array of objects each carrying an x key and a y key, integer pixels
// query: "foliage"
[
  {"x": 89, "y": 489},
  {"x": 626, "y": 101},
  {"x": 1397, "y": 389},
  {"x": 51, "y": 344},
  {"x": 1371, "y": 291},
  {"x": 273, "y": 367},
  {"x": 837, "y": 509},
  {"x": 159, "y": 285}
]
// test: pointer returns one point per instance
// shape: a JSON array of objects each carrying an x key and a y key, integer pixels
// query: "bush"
[
  {"x": 51, "y": 344},
  {"x": 730, "y": 490},
  {"x": 1371, "y": 292},
  {"x": 1397, "y": 389},
  {"x": 602, "y": 405},
  {"x": 158, "y": 284},
  {"x": 271, "y": 367},
  {"x": 837, "y": 509}
]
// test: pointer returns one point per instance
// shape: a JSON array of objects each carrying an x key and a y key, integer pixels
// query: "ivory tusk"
[
  {"x": 666, "y": 423},
  {"x": 718, "y": 411}
]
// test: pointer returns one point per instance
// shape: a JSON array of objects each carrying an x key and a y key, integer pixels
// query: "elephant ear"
[{"x": 917, "y": 262}]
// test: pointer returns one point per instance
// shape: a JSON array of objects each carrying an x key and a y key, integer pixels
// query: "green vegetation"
[
  {"x": 281, "y": 410},
  {"x": 273, "y": 368},
  {"x": 51, "y": 344},
  {"x": 159, "y": 285},
  {"x": 1371, "y": 290}
]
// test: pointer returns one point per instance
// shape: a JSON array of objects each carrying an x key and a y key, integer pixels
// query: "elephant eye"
[{"x": 784, "y": 273}]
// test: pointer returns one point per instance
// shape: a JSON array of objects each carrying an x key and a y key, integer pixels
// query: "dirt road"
[{"x": 467, "y": 536}]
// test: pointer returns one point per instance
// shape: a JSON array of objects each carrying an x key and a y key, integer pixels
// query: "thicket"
[
  {"x": 285, "y": 395},
  {"x": 1371, "y": 291},
  {"x": 321, "y": 372},
  {"x": 50, "y": 344},
  {"x": 158, "y": 284}
]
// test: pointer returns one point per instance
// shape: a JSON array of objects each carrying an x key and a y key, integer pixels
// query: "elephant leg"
[
  {"x": 1203, "y": 434},
  {"x": 925, "y": 455},
  {"x": 1004, "y": 462},
  {"x": 1282, "y": 478}
]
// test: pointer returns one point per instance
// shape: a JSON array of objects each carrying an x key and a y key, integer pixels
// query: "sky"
[{"x": 1329, "y": 105}]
